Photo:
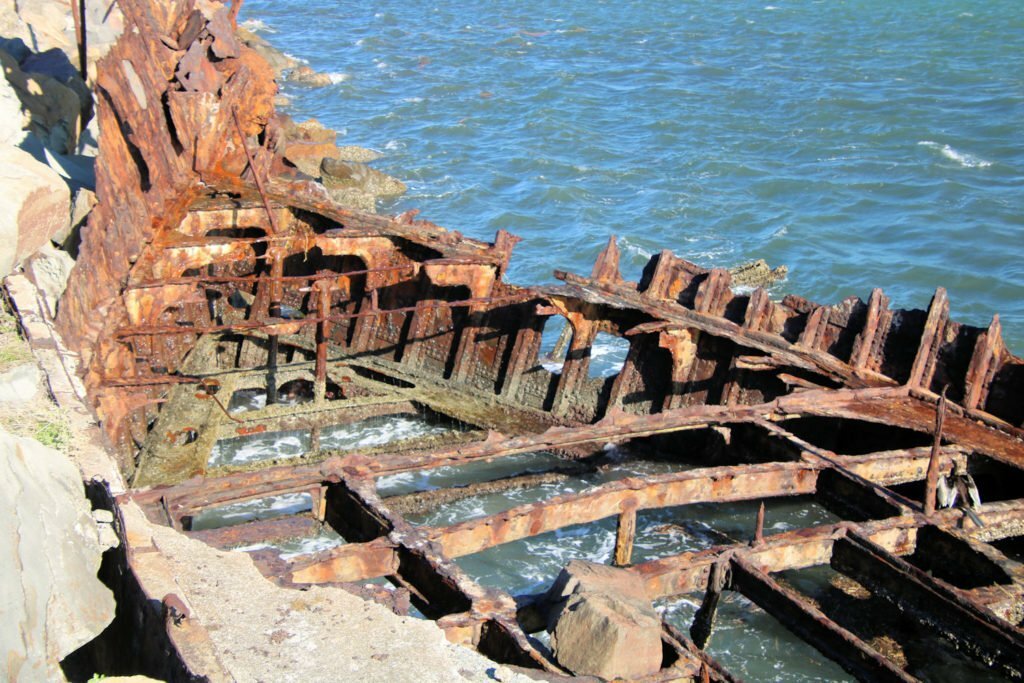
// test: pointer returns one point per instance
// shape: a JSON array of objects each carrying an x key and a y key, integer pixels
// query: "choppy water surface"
[{"x": 861, "y": 143}]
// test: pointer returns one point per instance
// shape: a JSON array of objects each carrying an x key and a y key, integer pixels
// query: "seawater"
[{"x": 862, "y": 144}]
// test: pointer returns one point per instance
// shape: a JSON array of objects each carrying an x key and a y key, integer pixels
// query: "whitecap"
[
  {"x": 337, "y": 77},
  {"x": 311, "y": 545},
  {"x": 630, "y": 248},
  {"x": 963, "y": 158},
  {"x": 258, "y": 26},
  {"x": 554, "y": 367},
  {"x": 769, "y": 8},
  {"x": 297, "y": 59}
]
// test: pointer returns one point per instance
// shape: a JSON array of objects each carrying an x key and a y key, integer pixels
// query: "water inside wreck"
[{"x": 363, "y": 400}]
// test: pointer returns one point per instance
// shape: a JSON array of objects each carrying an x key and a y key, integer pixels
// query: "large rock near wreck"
[
  {"x": 49, "y": 555},
  {"x": 34, "y": 206},
  {"x": 603, "y": 624}
]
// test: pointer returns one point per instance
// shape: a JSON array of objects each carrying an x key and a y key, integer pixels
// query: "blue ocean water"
[{"x": 860, "y": 143}]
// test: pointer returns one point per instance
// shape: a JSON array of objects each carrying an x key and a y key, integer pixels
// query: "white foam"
[
  {"x": 242, "y": 450},
  {"x": 297, "y": 59},
  {"x": 311, "y": 545},
  {"x": 963, "y": 158},
  {"x": 245, "y": 400},
  {"x": 769, "y": 8},
  {"x": 554, "y": 367},
  {"x": 337, "y": 77},
  {"x": 286, "y": 503},
  {"x": 627, "y": 246},
  {"x": 258, "y": 26},
  {"x": 376, "y": 432}
]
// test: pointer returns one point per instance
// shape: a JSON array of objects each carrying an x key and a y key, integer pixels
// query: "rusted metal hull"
[{"x": 211, "y": 267}]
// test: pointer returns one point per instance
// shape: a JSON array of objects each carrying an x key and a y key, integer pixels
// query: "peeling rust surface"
[{"x": 210, "y": 266}]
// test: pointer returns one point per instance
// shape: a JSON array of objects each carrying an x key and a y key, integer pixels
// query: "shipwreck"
[{"x": 212, "y": 270}]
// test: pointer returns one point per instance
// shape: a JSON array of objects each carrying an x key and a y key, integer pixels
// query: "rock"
[
  {"x": 51, "y": 62},
  {"x": 19, "y": 384},
  {"x": 54, "y": 63},
  {"x": 309, "y": 130},
  {"x": 34, "y": 206},
  {"x": 757, "y": 274},
  {"x": 307, "y": 156},
  {"x": 49, "y": 268},
  {"x": 348, "y": 174},
  {"x": 78, "y": 171},
  {"x": 88, "y": 140},
  {"x": 53, "y": 602},
  {"x": 603, "y": 624},
  {"x": 351, "y": 198},
  {"x": 359, "y": 154},
  {"x": 304, "y": 75},
  {"x": 13, "y": 119},
  {"x": 16, "y": 48},
  {"x": 81, "y": 206},
  {"x": 54, "y": 109},
  {"x": 43, "y": 25},
  {"x": 279, "y": 61},
  {"x": 49, "y": 24}
]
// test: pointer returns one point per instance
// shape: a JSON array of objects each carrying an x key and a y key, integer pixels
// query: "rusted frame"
[
  {"x": 252, "y": 279},
  {"x": 687, "y": 572},
  {"x": 933, "y": 603},
  {"x": 932, "y": 338},
  {"x": 812, "y": 625},
  {"x": 613, "y": 428},
  {"x": 718, "y": 485},
  {"x": 250, "y": 533},
  {"x": 893, "y": 462},
  {"x": 248, "y": 325},
  {"x": 271, "y": 479},
  {"x": 674, "y": 315},
  {"x": 469, "y": 613},
  {"x": 984, "y": 365}
]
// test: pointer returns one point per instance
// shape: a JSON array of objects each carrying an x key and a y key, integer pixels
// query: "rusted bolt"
[
  {"x": 182, "y": 437},
  {"x": 175, "y": 609}
]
